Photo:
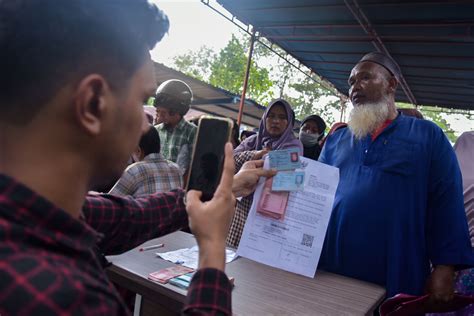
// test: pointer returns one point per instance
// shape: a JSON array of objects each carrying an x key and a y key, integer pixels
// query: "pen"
[{"x": 152, "y": 247}]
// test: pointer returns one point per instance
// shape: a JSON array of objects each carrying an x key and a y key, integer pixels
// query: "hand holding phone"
[{"x": 210, "y": 221}]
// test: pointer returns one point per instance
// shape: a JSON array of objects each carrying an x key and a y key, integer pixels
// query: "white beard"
[{"x": 365, "y": 118}]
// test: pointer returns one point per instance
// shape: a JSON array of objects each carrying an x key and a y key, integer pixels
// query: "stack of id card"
[
  {"x": 286, "y": 161},
  {"x": 164, "y": 275},
  {"x": 183, "y": 281},
  {"x": 272, "y": 204}
]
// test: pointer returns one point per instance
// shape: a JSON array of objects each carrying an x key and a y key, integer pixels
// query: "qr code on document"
[{"x": 307, "y": 240}]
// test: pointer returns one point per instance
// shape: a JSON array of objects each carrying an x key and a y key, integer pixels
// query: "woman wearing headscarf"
[
  {"x": 275, "y": 133},
  {"x": 311, "y": 134}
]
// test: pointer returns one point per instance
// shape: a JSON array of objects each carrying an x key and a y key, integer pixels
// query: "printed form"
[{"x": 293, "y": 243}]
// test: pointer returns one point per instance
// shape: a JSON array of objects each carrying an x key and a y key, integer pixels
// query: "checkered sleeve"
[
  {"x": 126, "y": 185},
  {"x": 31, "y": 284},
  {"x": 127, "y": 222},
  {"x": 241, "y": 158},
  {"x": 184, "y": 158},
  {"x": 209, "y": 294},
  {"x": 192, "y": 135},
  {"x": 238, "y": 221}
]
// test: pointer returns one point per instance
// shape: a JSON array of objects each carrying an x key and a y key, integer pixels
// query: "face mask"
[{"x": 308, "y": 139}]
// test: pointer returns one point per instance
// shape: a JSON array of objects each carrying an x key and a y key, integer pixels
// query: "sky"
[{"x": 193, "y": 24}]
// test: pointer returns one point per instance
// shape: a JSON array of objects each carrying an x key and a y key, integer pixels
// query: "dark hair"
[
  {"x": 247, "y": 133},
  {"x": 318, "y": 120},
  {"x": 149, "y": 117},
  {"x": 150, "y": 142},
  {"x": 48, "y": 44},
  {"x": 235, "y": 133}
]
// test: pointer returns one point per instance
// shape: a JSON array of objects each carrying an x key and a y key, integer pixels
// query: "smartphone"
[{"x": 208, "y": 155}]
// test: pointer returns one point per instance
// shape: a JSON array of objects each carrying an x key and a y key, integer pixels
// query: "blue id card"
[
  {"x": 286, "y": 159},
  {"x": 288, "y": 181},
  {"x": 182, "y": 281}
]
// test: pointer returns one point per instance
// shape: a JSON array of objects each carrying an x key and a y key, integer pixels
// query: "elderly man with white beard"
[{"x": 398, "y": 217}]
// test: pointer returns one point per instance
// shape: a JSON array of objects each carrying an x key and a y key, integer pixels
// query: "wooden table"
[{"x": 259, "y": 289}]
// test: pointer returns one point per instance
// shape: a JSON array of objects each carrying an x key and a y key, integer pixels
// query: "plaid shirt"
[
  {"x": 50, "y": 262},
  {"x": 152, "y": 174},
  {"x": 243, "y": 205},
  {"x": 172, "y": 141}
]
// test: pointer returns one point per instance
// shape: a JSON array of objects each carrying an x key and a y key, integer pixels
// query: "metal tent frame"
[{"x": 432, "y": 41}]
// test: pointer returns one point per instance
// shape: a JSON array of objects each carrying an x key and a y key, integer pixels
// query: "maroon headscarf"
[{"x": 263, "y": 139}]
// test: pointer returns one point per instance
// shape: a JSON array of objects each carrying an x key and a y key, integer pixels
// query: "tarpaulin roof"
[{"x": 433, "y": 41}]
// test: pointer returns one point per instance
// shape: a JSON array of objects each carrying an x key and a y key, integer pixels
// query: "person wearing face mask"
[{"x": 311, "y": 134}]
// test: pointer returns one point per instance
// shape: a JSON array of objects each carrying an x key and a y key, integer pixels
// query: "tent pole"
[
  {"x": 246, "y": 78},
  {"x": 343, "y": 108}
]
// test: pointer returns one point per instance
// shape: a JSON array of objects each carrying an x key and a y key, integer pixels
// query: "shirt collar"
[
  {"x": 381, "y": 128},
  {"x": 23, "y": 207},
  {"x": 386, "y": 126},
  {"x": 181, "y": 124},
  {"x": 153, "y": 156}
]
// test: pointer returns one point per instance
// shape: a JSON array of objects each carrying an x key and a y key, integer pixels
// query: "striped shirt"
[{"x": 173, "y": 141}]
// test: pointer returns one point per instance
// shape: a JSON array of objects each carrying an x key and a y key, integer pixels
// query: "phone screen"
[{"x": 208, "y": 156}]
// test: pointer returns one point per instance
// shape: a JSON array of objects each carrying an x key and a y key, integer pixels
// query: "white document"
[
  {"x": 189, "y": 257},
  {"x": 294, "y": 243}
]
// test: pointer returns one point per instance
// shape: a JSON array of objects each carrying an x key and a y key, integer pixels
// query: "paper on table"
[
  {"x": 293, "y": 243},
  {"x": 189, "y": 257}
]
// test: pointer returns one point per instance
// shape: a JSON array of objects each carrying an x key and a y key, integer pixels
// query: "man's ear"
[
  {"x": 178, "y": 116},
  {"x": 137, "y": 154},
  {"x": 141, "y": 153},
  {"x": 90, "y": 103},
  {"x": 392, "y": 84}
]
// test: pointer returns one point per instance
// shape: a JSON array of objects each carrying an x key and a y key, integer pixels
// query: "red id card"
[
  {"x": 272, "y": 203},
  {"x": 164, "y": 275}
]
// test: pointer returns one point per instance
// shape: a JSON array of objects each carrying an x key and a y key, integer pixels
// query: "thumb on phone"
[{"x": 210, "y": 221}]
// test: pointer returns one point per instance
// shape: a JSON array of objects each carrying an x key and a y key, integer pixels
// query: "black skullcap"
[
  {"x": 384, "y": 61},
  {"x": 319, "y": 122}
]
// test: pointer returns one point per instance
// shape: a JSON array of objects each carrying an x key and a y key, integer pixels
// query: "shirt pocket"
[{"x": 399, "y": 158}]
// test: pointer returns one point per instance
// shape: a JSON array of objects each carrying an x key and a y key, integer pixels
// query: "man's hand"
[
  {"x": 246, "y": 179},
  {"x": 440, "y": 287},
  {"x": 210, "y": 221}
]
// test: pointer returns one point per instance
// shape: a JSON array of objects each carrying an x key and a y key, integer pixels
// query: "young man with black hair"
[
  {"x": 74, "y": 77},
  {"x": 150, "y": 173}
]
